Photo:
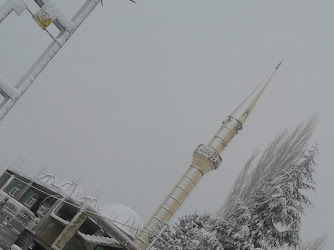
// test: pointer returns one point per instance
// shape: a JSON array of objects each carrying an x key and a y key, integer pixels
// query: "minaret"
[{"x": 205, "y": 159}]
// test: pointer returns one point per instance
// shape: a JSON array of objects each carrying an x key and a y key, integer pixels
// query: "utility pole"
[{"x": 47, "y": 15}]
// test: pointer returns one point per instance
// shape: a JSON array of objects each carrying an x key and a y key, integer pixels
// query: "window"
[
  {"x": 14, "y": 192},
  {"x": 31, "y": 201}
]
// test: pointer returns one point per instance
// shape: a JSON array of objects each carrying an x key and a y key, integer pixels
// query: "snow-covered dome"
[{"x": 123, "y": 217}]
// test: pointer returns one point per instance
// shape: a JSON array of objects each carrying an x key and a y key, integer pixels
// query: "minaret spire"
[
  {"x": 239, "y": 116},
  {"x": 242, "y": 112},
  {"x": 205, "y": 159}
]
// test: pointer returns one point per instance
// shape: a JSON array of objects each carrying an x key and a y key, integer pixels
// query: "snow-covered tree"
[
  {"x": 190, "y": 233},
  {"x": 265, "y": 205}
]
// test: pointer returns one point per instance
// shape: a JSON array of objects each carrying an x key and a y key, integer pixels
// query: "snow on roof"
[
  {"x": 100, "y": 240},
  {"x": 123, "y": 217},
  {"x": 50, "y": 187},
  {"x": 91, "y": 201},
  {"x": 71, "y": 188}
]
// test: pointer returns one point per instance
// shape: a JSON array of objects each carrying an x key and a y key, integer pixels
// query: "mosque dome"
[{"x": 123, "y": 217}]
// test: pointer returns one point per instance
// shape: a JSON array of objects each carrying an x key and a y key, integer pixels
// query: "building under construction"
[{"x": 36, "y": 213}]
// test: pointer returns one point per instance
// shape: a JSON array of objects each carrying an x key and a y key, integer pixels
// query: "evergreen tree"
[{"x": 265, "y": 205}]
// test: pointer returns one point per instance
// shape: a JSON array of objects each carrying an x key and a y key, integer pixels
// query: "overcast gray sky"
[{"x": 125, "y": 102}]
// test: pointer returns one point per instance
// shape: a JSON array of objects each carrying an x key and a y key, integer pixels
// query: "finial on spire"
[{"x": 278, "y": 65}]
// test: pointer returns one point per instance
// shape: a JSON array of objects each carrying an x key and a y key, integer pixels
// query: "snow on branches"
[{"x": 264, "y": 208}]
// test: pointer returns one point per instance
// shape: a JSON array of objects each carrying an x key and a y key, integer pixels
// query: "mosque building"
[
  {"x": 35, "y": 213},
  {"x": 38, "y": 213}
]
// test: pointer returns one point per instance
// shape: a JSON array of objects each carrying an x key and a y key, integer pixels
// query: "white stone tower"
[{"x": 205, "y": 159}]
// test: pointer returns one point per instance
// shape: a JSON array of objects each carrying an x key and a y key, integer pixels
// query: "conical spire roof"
[{"x": 242, "y": 112}]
